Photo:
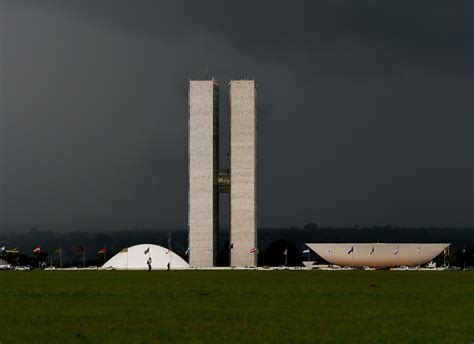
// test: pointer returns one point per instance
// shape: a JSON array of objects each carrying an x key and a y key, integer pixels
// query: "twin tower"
[{"x": 206, "y": 180}]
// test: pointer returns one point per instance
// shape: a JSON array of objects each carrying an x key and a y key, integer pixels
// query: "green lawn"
[{"x": 236, "y": 306}]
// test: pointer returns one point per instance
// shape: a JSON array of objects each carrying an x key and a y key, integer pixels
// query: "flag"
[
  {"x": 147, "y": 250},
  {"x": 328, "y": 251},
  {"x": 446, "y": 251},
  {"x": 123, "y": 250},
  {"x": 37, "y": 249},
  {"x": 305, "y": 251},
  {"x": 187, "y": 251},
  {"x": 59, "y": 250},
  {"x": 285, "y": 252},
  {"x": 351, "y": 250},
  {"x": 13, "y": 250},
  {"x": 102, "y": 250},
  {"x": 396, "y": 250},
  {"x": 253, "y": 250},
  {"x": 372, "y": 251}
]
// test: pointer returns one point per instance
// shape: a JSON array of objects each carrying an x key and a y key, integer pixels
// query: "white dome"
[{"x": 135, "y": 258}]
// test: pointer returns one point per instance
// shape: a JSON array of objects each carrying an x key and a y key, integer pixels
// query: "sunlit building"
[{"x": 378, "y": 255}]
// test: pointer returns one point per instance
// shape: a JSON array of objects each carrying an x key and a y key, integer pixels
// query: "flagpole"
[
  {"x": 419, "y": 257},
  {"x": 83, "y": 256},
  {"x": 169, "y": 247},
  {"x": 464, "y": 257},
  {"x": 286, "y": 257},
  {"x": 60, "y": 257},
  {"x": 372, "y": 253},
  {"x": 398, "y": 255}
]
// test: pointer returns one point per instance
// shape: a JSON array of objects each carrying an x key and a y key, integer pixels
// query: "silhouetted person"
[
  {"x": 149, "y": 263},
  {"x": 168, "y": 265}
]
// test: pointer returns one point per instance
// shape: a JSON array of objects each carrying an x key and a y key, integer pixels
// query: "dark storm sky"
[{"x": 365, "y": 109}]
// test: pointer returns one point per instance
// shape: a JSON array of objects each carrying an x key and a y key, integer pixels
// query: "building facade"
[
  {"x": 206, "y": 180},
  {"x": 203, "y": 219},
  {"x": 243, "y": 172}
]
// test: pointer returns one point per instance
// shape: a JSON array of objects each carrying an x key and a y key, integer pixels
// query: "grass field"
[{"x": 236, "y": 306}]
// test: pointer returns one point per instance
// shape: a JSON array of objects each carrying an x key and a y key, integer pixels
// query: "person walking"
[{"x": 149, "y": 263}]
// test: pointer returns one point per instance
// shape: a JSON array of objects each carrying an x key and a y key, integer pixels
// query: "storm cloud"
[{"x": 365, "y": 109}]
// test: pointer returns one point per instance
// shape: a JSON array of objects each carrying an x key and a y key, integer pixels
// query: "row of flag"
[
  {"x": 37, "y": 249},
  {"x": 351, "y": 250},
  {"x": 103, "y": 250},
  {"x": 4, "y": 250},
  {"x": 252, "y": 250},
  {"x": 147, "y": 251}
]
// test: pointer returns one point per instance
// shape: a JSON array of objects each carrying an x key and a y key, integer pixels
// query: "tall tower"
[
  {"x": 206, "y": 181},
  {"x": 203, "y": 169},
  {"x": 243, "y": 172}
]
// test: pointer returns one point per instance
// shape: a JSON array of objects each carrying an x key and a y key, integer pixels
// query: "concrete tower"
[
  {"x": 243, "y": 173},
  {"x": 203, "y": 168},
  {"x": 206, "y": 181}
]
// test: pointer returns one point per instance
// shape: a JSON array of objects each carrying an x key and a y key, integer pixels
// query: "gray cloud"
[
  {"x": 374, "y": 36},
  {"x": 365, "y": 109}
]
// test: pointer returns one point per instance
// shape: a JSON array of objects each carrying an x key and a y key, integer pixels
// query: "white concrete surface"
[
  {"x": 383, "y": 255},
  {"x": 135, "y": 259},
  {"x": 203, "y": 160},
  {"x": 243, "y": 171}
]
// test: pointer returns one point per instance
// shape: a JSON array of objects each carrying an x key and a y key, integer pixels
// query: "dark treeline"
[{"x": 270, "y": 241}]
